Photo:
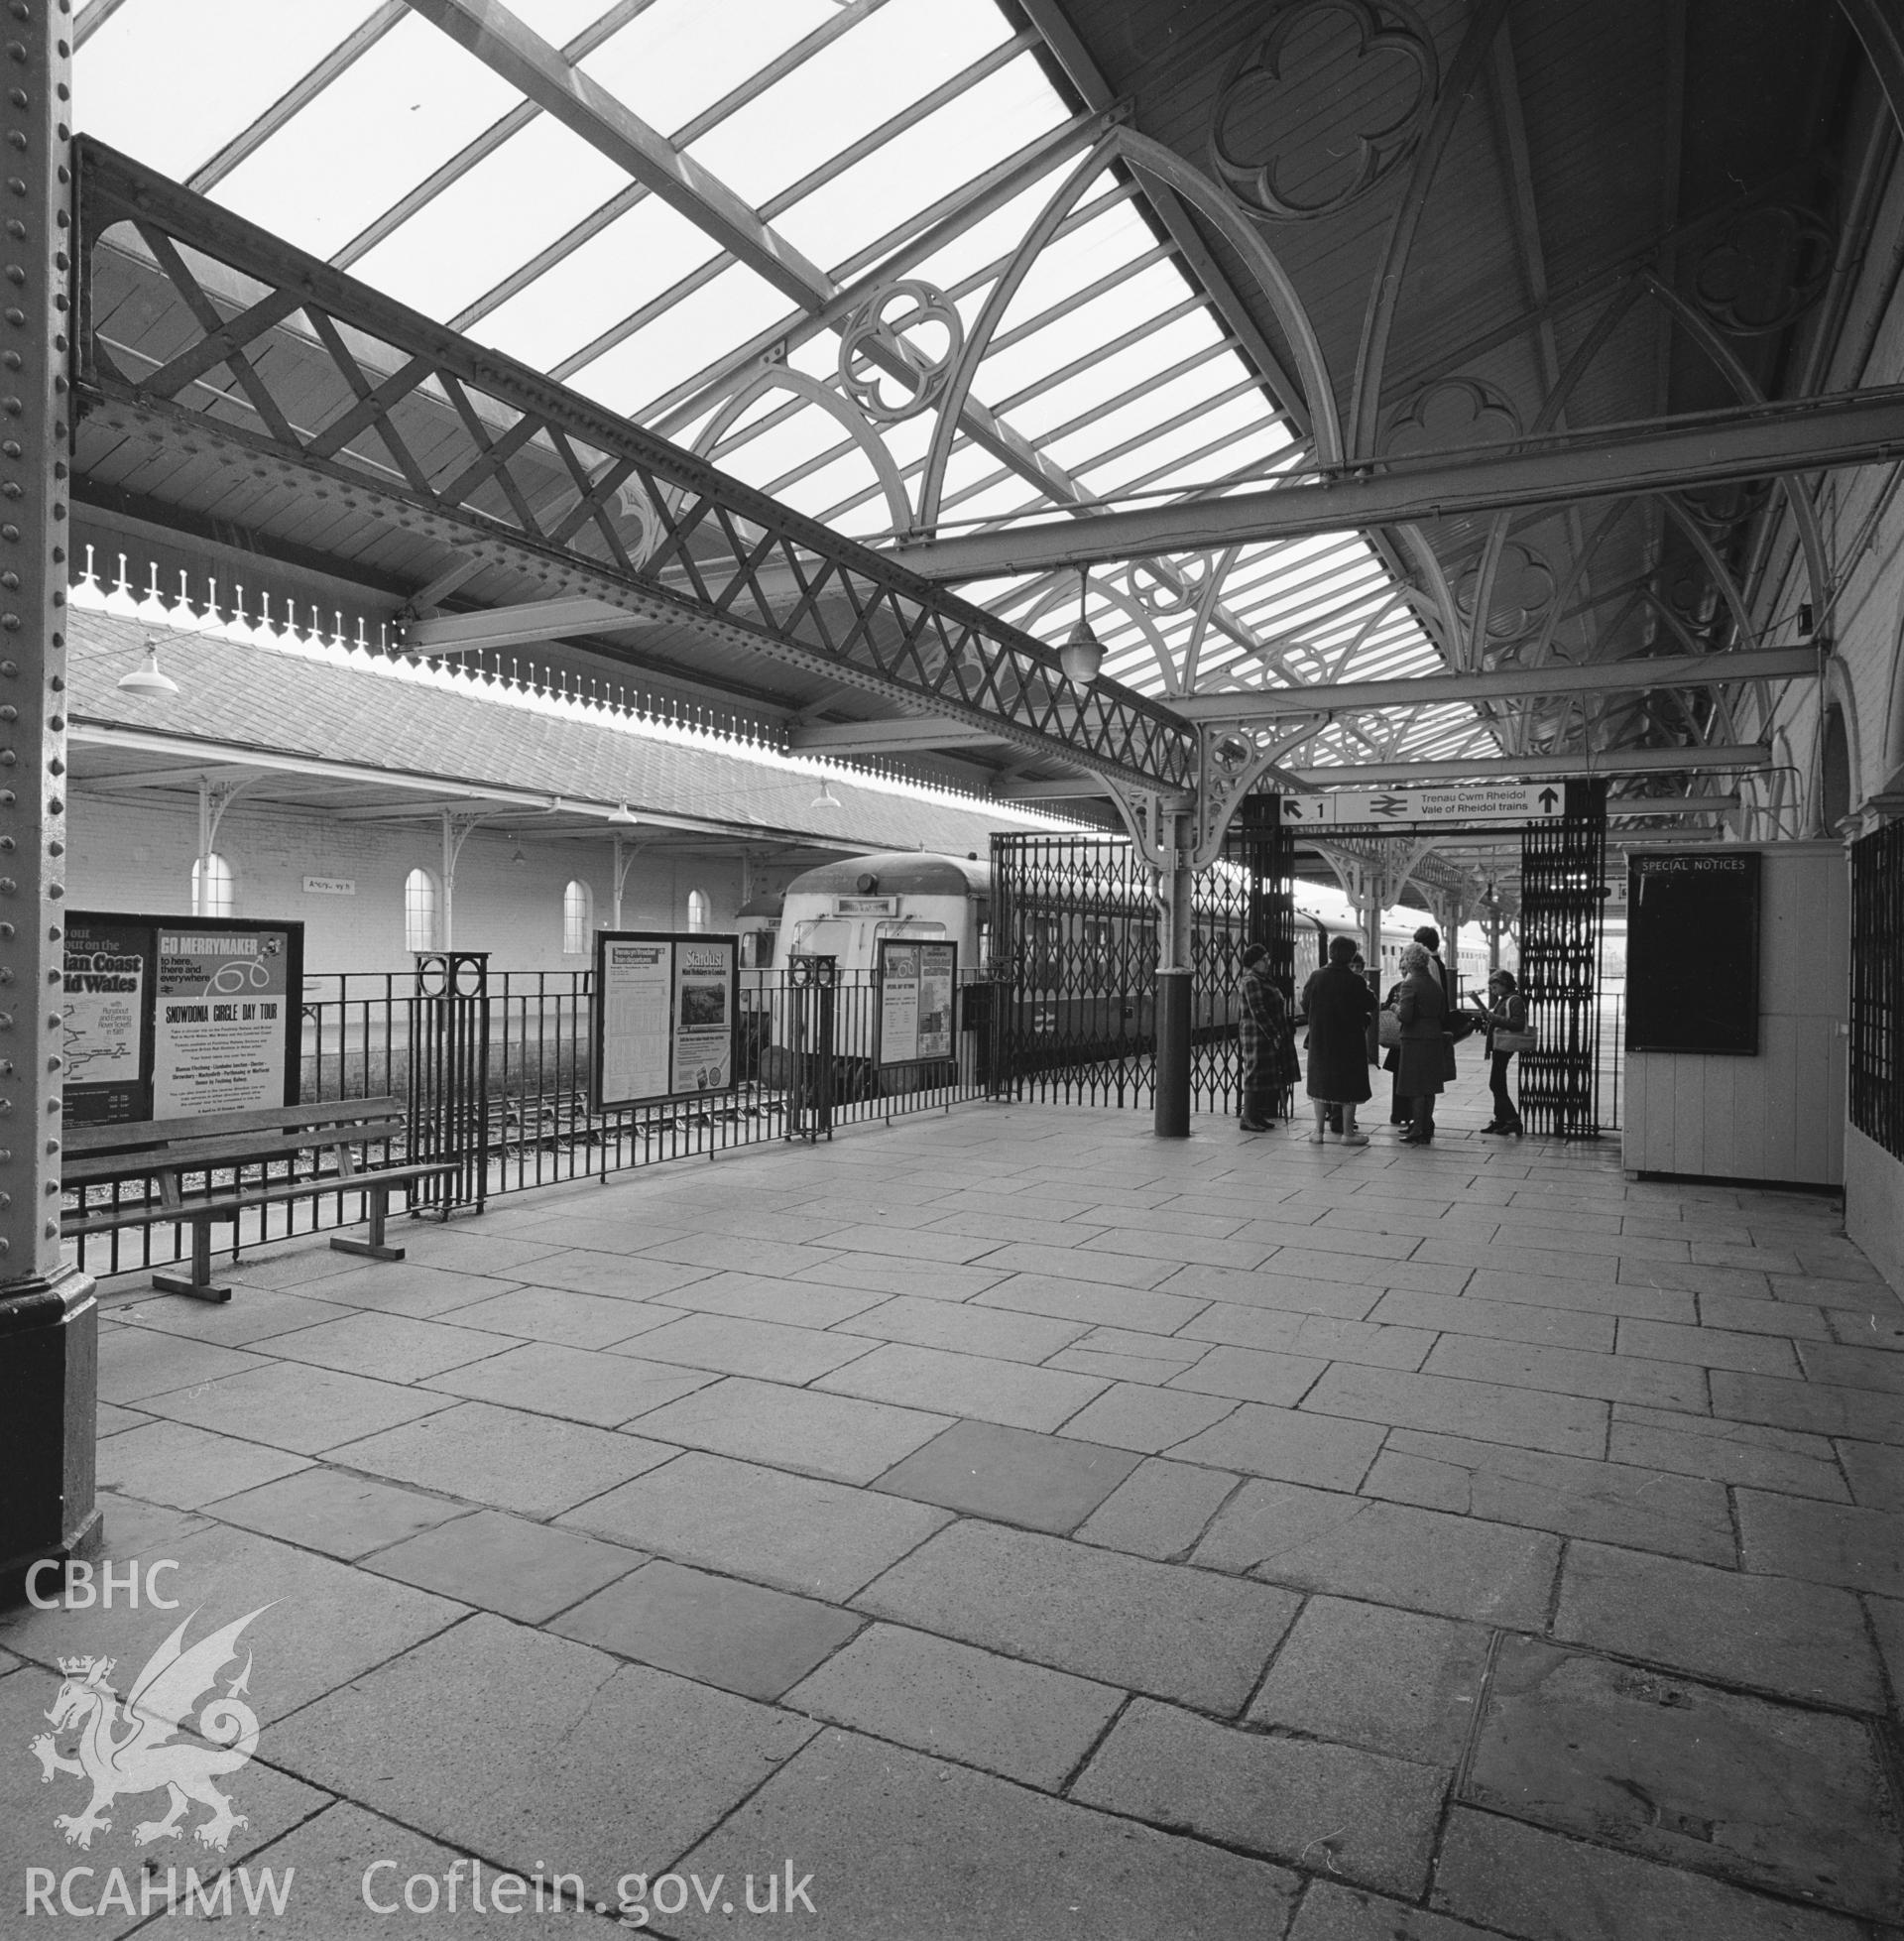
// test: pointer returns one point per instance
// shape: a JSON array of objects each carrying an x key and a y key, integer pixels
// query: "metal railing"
[{"x": 805, "y": 1069}]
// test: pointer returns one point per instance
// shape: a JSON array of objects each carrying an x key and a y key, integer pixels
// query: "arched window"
[
  {"x": 697, "y": 911},
  {"x": 578, "y": 919},
  {"x": 214, "y": 897},
  {"x": 421, "y": 904}
]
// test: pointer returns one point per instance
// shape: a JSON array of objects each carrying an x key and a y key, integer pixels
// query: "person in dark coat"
[
  {"x": 1400, "y": 1105},
  {"x": 1338, "y": 1005},
  {"x": 1421, "y": 1056},
  {"x": 1506, "y": 1012}
]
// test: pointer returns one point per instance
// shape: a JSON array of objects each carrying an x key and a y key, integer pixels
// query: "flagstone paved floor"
[{"x": 1025, "y": 1528}]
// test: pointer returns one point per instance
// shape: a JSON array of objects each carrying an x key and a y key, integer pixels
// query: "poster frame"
[
  {"x": 598, "y": 1016},
  {"x": 1643, "y": 943},
  {"x": 293, "y": 931},
  {"x": 880, "y": 1062}
]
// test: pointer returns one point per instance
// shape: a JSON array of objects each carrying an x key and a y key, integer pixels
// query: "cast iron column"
[
  {"x": 49, "y": 1322},
  {"x": 1174, "y": 980}
]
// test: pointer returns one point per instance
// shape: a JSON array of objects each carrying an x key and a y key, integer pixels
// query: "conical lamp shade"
[{"x": 145, "y": 678}]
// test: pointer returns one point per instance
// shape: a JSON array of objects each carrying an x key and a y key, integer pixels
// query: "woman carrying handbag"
[{"x": 1508, "y": 1033}]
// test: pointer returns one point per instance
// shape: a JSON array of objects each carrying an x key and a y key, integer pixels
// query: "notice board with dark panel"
[{"x": 1692, "y": 953}]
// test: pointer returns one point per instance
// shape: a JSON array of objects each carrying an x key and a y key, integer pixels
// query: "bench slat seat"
[{"x": 160, "y": 1152}]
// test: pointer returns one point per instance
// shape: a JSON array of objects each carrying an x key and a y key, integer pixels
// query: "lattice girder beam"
[{"x": 529, "y": 474}]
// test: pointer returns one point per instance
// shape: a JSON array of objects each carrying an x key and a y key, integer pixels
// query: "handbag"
[
  {"x": 1288, "y": 1063},
  {"x": 1507, "y": 1043},
  {"x": 1387, "y": 1027}
]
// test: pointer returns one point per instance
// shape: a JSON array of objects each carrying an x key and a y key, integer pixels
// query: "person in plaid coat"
[{"x": 1264, "y": 1040}]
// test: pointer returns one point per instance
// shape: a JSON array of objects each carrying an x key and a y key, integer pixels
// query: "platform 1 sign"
[{"x": 1403, "y": 809}]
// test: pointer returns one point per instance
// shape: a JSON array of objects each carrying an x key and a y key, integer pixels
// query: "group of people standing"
[{"x": 1338, "y": 1009}]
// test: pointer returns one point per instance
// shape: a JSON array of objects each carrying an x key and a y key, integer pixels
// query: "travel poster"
[
  {"x": 107, "y": 1027},
  {"x": 224, "y": 1002},
  {"x": 636, "y": 985}
]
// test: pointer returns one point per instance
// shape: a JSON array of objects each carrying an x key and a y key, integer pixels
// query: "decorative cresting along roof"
[{"x": 235, "y": 700}]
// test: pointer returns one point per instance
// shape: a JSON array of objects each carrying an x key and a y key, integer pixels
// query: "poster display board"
[
  {"x": 1691, "y": 951},
  {"x": 665, "y": 1018},
  {"x": 917, "y": 983},
  {"x": 180, "y": 1017}
]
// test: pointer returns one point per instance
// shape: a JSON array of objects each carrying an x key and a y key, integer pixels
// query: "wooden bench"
[{"x": 157, "y": 1154}]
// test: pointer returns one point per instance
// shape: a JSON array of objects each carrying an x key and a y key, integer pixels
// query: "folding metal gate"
[
  {"x": 1075, "y": 926},
  {"x": 1562, "y": 868}
]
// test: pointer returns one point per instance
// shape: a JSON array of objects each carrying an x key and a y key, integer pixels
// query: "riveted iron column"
[
  {"x": 1176, "y": 889},
  {"x": 1563, "y": 871},
  {"x": 811, "y": 983},
  {"x": 450, "y": 1076},
  {"x": 49, "y": 1323}
]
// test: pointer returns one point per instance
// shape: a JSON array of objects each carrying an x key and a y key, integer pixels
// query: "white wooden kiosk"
[{"x": 1777, "y": 1113}]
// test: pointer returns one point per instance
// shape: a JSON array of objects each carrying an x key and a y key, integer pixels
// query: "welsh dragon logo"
[{"x": 133, "y": 1748}]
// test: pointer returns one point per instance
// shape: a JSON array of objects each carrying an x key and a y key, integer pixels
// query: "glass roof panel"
[
  {"x": 610, "y": 277},
  {"x": 989, "y": 121},
  {"x": 679, "y": 57},
  {"x": 152, "y": 80},
  {"x": 497, "y": 215},
  {"x": 390, "y": 119},
  {"x": 721, "y": 313},
  {"x": 847, "y": 89}
]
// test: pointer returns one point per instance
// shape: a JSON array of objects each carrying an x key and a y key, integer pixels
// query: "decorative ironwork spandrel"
[
  {"x": 1375, "y": 57},
  {"x": 900, "y": 348}
]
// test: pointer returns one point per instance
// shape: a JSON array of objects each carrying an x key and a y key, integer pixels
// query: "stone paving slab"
[
  {"x": 1383, "y": 1552},
  {"x": 1135, "y": 1416},
  {"x": 1249, "y": 1375},
  {"x": 341, "y": 1514},
  {"x": 965, "y": 1853},
  {"x": 799, "y": 1430},
  {"x": 1491, "y": 1412},
  {"x": 1369, "y": 1818},
  {"x": 964, "y": 1385},
  {"x": 965, "y": 1329},
  {"x": 495, "y": 1739},
  {"x": 1299, "y": 1294},
  {"x": 289, "y": 1407},
  {"x": 1651, "y": 1509},
  {"x": 1330, "y": 1912},
  {"x": 1158, "y": 1511},
  {"x": 1288, "y": 1444},
  {"x": 173, "y": 1463},
  {"x": 1774, "y": 1798},
  {"x": 1091, "y": 1302},
  {"x": 1731, "y": 1455},
  {"x": 1822, "y": 1543},
  {"x": 739, "y": 1638},
  {"x": 1149, "y": 1626},
  {"x": 1021, "y": 1721},
  {"x": 1556, "y": 1327},
  {"x": 768, "y": 1297},
  {"x": 1547, "y": 1887},
  {"x": 795, "y": 1532},
  {"x": 726, "y": 1344},
  {"x": 1323, "y": 1336},
  {"x": 1797, "y": 1640},
  {"x": 506, "y": 1564},
  {"x": 559, "y": 1314},
  {"x": 1362, "y": 1674},
  {"x": 547, "y": 1379},
  {"x": 505, "y": 1458},
  {"x": 1875, "y": 1471},
  {"x": 1010, "y": 1476},
  {"x": 262, "y": 1314},
  {"x": 140, "y": 1365},
  {"x": 1569, "y": 1372}
]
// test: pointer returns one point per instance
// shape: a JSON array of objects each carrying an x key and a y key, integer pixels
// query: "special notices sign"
[
  {"x": 221, "y": 1020},
  {"x": 664, "y": 1018},
  {"x": 916, "y": 986}
]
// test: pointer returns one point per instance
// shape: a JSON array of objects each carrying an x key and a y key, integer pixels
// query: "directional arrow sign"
[{"x": 1475, "y": 803}]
